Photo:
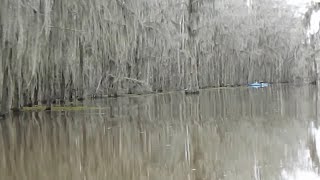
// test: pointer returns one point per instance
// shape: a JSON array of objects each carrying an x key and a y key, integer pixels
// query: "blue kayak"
[{"x": 258, "y": 85}]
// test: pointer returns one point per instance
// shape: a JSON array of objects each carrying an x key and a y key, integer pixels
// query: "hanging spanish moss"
[{"x": 54, "y": 51}]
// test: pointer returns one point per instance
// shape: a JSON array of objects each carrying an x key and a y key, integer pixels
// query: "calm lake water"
[{"x": 222, "y": 134}]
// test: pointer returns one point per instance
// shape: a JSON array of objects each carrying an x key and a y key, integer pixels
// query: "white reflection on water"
[
  {"x": 306, "y": 169},
  {"x": 300, "y": 174}
]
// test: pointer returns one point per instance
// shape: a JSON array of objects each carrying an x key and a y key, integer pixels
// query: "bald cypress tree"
[
  {"x": 313, "y": 40},
  {"x": 193, "y": 46},
  {"x": 77, "y": 48}
]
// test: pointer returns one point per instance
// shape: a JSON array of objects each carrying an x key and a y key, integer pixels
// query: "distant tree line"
[{"x": 54, "y": 50}]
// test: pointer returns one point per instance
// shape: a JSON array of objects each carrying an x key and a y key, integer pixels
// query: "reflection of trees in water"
[
  {"x": 312, "y": 139},
  {"x": 210, "y": 136},
  {"x": 312, "y": 146}
]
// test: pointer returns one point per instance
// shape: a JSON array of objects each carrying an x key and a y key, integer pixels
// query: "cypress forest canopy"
[{"x": 64, "y": 50}]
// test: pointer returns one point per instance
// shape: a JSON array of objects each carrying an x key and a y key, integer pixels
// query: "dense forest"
[{"x": 58, "y": 50}]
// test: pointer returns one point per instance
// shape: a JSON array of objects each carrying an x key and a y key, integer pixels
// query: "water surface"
[{"x": 227, "y": 134}]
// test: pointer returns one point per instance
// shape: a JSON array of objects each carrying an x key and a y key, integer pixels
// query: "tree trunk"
[
  {"x": 81, "y": 77},
  {"x": 313, "y": 58},
  {"x": 16, "y": 106},
  {"x": 6, "y": 84},
  {"x": 16, "y": 78},
  {"x": 71, "y": 87},
  {"x": 63, "y": 66},
  {"x": 192, "y": 68}
]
